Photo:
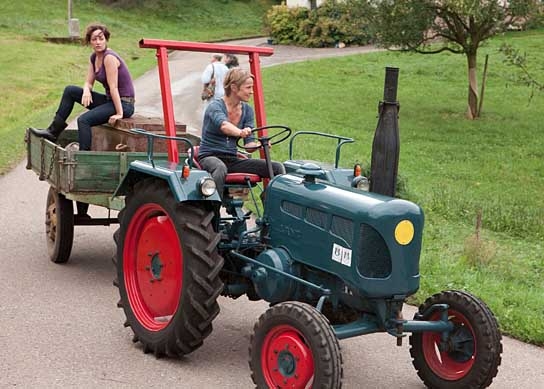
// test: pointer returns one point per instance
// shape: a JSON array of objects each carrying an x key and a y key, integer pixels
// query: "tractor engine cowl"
[
  {"x": 270, "y": 285},
  {"x": 369, "y": 241}
]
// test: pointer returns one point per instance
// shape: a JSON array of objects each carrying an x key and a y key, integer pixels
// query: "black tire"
[
  {"x": 475, "y": 347},
  {"x": 293, "y": 345},
  {"x": 167, "y": 270},
  {"x": 59, "y": 226}
]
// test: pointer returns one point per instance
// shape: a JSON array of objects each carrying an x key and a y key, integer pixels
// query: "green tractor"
[{"x": 334, "y": 261}]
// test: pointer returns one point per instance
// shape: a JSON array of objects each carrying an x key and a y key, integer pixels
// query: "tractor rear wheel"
[
  {"x": 472, "y": 354},
  {"x": 59, "y": 226},
  {"x": 167, "y": 269},
  {"x": 294, "y": 346}
]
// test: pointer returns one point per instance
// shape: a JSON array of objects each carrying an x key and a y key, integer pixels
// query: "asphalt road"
[{"x": 60, "y": 327}]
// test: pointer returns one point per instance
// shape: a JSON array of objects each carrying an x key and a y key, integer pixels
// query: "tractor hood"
[{"x": 371, "y": 241}]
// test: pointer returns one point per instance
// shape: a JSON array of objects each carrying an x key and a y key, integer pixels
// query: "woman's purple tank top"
[{"x": 124, "y": 81}]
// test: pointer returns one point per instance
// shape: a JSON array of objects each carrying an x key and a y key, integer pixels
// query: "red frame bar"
[
  {"x": 164, "y": 78},
  {"x": 167, "y": 104}
]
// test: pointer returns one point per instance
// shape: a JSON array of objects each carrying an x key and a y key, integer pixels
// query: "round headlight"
[
  {"x": 404, "y": 232},
  {"x": 360, "y": 183},
  {"x": 207, "y": 186}
]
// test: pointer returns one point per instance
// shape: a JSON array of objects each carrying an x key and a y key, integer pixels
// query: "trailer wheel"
[
  {"x": 59, "y": 226},
  {"x": 294, "y": 346},
  {"x": 167, "y": 270},
  {"x": 472, "y": 354}
]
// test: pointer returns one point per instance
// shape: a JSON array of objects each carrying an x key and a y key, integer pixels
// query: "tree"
[
  {"x": 457, "y": 26},
  {"x": 526, "y": 77}
]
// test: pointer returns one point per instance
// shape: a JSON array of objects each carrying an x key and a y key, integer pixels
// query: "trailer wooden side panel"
[{"x": 88, "y": 175}]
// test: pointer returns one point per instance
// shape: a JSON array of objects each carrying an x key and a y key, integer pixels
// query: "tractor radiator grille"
[
  {"x": 293, "y": 209},
  {"x": 374, "y": 258},
  {"x": 317, "y": 218},
  {"x": 343, "y": 228}
]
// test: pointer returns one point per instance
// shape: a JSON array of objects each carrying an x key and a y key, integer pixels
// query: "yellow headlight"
[{"x": 404, "y": 232}]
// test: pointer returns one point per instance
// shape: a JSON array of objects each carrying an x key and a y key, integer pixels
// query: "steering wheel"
[{"x": 283, "y": 134}]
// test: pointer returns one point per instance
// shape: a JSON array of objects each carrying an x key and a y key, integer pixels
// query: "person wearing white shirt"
[{"x": 219, "y": 70}]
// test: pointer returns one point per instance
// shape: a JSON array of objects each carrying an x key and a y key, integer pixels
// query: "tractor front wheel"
[
  {"x": 167, "y": 269},
  {"x": 294, "y": 346},
  {"x": 471, "y": 354},
  {"x": 59, "y": 226}
]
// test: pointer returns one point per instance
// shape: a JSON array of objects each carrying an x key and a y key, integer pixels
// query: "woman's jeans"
[{"x": 99, "y": 111}]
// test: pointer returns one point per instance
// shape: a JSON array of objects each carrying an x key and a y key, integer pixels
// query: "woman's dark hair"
[
  {"x": 231, "y": 61},
  {"x": 92, "y": 28}
]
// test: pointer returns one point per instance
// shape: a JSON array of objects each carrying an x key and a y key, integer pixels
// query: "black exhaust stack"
[{"x": 386, "y": 144}]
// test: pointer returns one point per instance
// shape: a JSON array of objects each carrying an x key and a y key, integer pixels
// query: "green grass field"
[{"x": 452, "y": 167}]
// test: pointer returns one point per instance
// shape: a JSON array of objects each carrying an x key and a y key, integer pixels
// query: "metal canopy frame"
[{"x": 162, "y": 47}]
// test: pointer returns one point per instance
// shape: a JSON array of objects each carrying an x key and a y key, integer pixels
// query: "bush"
[
  {"x": 536, "y": 21},
  {"x": 282, "y": 24},
  {"x": 330, "y": 24}
]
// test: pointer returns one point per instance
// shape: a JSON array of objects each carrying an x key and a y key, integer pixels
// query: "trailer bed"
[{"x": 93, "y": 176}]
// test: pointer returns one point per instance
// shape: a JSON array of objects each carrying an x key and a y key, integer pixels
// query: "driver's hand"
[
  {"x": 252, "y": 146},
  {"x": 245, "y": 132}
]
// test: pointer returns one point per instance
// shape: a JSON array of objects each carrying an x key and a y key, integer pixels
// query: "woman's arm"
[
  {"x": 87, "y": 97},
  {"x": 249, "y": 121},
  {"x": 218, "y": 117},
  {"x": 112, "y": 69},
  {"x": 230, "y": 129}
]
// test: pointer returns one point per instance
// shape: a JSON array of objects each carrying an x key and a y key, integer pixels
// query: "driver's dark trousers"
[{"x": 218, "y": 166}]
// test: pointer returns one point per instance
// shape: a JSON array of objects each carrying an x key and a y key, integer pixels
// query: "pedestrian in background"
[
  {"x": 214, "y": 74},
  {"x": 231, "y": 61}
]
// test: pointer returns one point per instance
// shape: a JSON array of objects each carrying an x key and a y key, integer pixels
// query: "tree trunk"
[{"x": 472, "y": 111}]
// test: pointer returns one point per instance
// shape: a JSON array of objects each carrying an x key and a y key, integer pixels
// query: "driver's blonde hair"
[{"x": 235, "y": 76}]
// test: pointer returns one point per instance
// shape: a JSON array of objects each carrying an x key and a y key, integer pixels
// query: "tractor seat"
[{"x": 231, "y": 178}]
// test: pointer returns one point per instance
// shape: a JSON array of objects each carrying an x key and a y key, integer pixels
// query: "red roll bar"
[{"x": 164, "y": 78}]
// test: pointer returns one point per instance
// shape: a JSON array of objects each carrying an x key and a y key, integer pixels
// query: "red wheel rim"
[
  {"x": 153, "y": 267},
  {"x": 286, "y": 359},
  {"x": 450, "y": 365}
]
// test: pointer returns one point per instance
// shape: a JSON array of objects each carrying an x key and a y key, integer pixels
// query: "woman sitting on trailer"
[{"x": 107, "y": 67}]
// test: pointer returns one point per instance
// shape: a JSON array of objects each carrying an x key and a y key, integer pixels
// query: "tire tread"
[
  {"x": 485, "y": 325},
  {"x": 192, "y": 322}
]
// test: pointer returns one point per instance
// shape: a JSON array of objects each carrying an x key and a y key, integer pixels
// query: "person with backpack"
[{"x": 212, "y": 78}]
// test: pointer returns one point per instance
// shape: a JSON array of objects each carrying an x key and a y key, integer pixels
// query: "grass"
[{"x": 452, "y": 167}]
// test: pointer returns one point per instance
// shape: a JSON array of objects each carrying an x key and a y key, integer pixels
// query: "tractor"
[{"x": 332, "y": 259}]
